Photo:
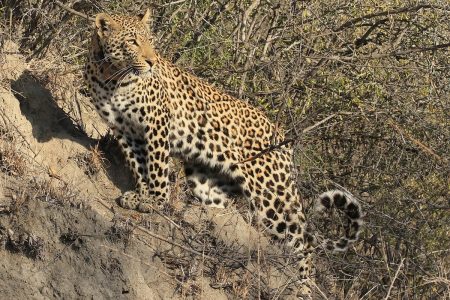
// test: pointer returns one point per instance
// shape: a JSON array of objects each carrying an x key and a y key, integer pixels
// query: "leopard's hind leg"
[{"x": 210, "y": 186}]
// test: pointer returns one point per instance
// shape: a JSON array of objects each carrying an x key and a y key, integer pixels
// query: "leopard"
[{"x": 157, "y": 110}]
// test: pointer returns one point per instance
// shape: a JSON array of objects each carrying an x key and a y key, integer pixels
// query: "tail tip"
[
  {"x": 347, "y": 203},
  {"x": 340, "y": 200}
]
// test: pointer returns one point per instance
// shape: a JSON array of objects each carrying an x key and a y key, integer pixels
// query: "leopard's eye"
[{"x": 133, "y": 42}]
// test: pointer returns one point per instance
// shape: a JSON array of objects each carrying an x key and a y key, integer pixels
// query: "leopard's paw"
[
  {"x": 139, "y": 202},
  {"x": 150, "y": 203},
  {"x": 129, "y": 200}
]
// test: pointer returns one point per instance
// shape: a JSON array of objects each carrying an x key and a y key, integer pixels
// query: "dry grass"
[
  {"x": 27, "y": 244},
  {"x": 12, "y": 162},
  {"x": 92, "y": 162},
  {"x": 58, "y": 192}
]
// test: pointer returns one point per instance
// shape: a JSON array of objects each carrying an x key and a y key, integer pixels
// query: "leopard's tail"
[{"x": 351, "y": 208}]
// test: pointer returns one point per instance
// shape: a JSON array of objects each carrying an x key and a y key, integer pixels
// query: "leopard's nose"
[{"x": 149, "y": 62}]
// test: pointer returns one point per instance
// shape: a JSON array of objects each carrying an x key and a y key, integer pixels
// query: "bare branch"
[
  {"x": 393, "y": 279},
  {"x": 206, "y": 24},
  {"x": 286, "y": 141},
  {"x": 416, "y": 142},
  {"x": 383, "y": 55},
  {"x": 351, "y": 22},
  {"x": 73, "y": 11}
]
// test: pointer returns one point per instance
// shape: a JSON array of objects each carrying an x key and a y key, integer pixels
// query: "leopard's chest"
[{"x": 126, "y": 105}]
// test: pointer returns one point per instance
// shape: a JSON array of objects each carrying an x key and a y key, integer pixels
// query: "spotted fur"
[{"x": 157, "y": 110}]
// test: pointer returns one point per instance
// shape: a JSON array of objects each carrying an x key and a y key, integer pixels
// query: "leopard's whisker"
[
  {"x": 117, "y": 73},
  {"x": 122, "y": 78}
]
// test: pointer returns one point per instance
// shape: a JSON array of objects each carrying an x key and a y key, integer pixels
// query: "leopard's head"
[{"x": 126, "y": 42}]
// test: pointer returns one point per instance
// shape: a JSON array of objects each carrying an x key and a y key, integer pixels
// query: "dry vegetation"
[{"x": 377, "y": 75}]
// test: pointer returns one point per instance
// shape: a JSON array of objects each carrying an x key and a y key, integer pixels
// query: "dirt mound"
[{"x": 64, "y": 251}]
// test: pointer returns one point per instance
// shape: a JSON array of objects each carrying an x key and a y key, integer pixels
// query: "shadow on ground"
[{"x": 49, "y": 121}]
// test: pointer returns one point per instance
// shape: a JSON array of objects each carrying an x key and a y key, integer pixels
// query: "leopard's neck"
[{"x": 178, "y": 81}]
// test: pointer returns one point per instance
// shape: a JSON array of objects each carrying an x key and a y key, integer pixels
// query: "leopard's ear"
[
  {"x": 105, "y": 24},
  {"x": 146, "y": 18}
]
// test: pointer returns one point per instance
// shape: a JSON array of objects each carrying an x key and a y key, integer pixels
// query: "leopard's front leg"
[
  {"x": 135, "y": 154},
  {"x": 157, "y": 165},
  {"x": 148, "y": 158}
]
